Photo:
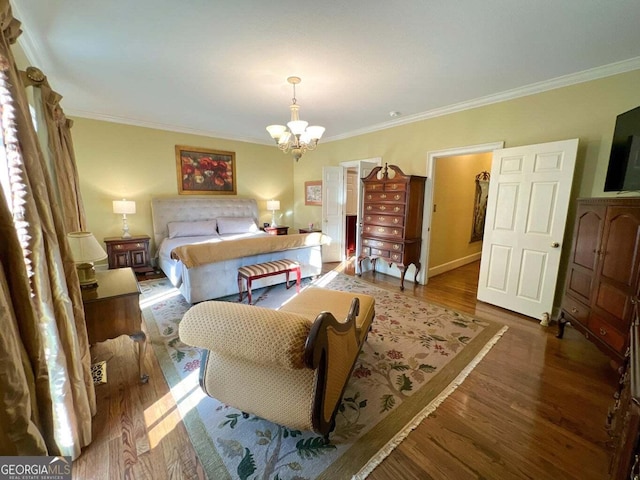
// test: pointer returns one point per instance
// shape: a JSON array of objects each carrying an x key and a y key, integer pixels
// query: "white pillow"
[
  {"x": 236, "y": 225},
  {"x": 192, "y": 229}
]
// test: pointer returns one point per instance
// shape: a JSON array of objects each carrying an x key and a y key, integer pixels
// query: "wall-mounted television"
[{"x": 623, "y": 172}]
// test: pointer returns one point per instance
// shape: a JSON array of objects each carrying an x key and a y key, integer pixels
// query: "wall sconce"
[
  {"x": 124, "y": 206},
  {"x": 273, "y": 205},
  {"x": 85, "y": 250}
]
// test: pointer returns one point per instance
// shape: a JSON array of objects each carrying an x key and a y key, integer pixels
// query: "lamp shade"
[
  {"x": 273, "y": 204},
  {"x": 124, "y": 206},
  {"x": 85, "y": 248},
  {"x": 276, "y": 131}
]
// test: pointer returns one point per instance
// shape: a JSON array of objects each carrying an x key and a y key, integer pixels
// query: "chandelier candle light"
[
  {"x": 124, "y": 206},
  {"x": 273, "y": 205},
  {"x": 299, "y": 138}
]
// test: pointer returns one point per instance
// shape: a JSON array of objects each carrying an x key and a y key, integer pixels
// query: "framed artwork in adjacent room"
[
  {"x": 202, "y": 171},
  {"x": 480, "y": 206},
  {"x": 313, "y": 192}
]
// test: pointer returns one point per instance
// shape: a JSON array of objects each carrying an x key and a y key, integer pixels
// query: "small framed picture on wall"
[{"x": 313, "y": 192}]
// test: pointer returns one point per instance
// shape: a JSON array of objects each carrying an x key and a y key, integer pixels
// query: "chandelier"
[{"x": 299, "y": 138}]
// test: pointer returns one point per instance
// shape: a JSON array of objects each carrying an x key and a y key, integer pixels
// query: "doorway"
[
  {"x": 352, "y": 184},
  {"x": 432, "y": 177},
  {"x": 339, "y": 219},
  {"x": 453, "y": 217}
]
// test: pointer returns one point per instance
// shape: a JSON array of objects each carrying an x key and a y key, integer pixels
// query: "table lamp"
[
  {"x": 273, "y": 205},
  {"x": 124, "y": 206},
  {"x": 85, "y": 250}
]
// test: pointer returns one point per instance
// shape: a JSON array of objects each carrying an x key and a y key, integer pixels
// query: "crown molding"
[
  {"x": 534, "y": 88},
  {"x": 31, "y": 49},
  {"x": 162, "y": 126}
]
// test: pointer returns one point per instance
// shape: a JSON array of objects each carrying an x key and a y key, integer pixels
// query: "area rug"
[{"x": 416, "y": 355}]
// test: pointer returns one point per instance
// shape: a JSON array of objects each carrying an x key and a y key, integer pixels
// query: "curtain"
[
  {"x": 54, "y": 132},
  {"x": 48, "y": 397}
]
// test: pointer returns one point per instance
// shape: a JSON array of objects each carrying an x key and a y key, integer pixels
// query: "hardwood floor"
[{"x": 534, "y": 408}]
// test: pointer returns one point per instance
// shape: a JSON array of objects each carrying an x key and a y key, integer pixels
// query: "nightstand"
[
  {"x": 309, "y": 230},
  {"x": 113, "y": 309},
  {"x": 129, "y": 252},
  {"x": 276, "y": 230}
]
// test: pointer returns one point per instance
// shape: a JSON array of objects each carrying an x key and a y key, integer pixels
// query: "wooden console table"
[{"x": 113, "y": 309}]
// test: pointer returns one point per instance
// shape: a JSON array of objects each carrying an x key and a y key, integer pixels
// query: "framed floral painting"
[{"x": 205, "y": 172}]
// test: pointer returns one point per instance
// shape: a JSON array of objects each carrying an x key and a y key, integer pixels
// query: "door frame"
[
  {"x": 357, "y": 164},
  {"x": 432, "y": 156}
]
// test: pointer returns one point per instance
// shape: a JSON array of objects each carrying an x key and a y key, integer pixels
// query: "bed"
[{"x": 201, "y": 242}]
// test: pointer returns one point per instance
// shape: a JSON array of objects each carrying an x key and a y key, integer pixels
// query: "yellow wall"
[
  {"x": 116, "y": 161},
  {"x": 451, "y": 222}
]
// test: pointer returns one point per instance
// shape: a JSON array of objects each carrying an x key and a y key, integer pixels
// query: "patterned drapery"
[{"x": 47, "y": 397}]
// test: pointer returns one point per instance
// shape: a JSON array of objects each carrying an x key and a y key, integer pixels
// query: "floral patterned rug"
[{"x": 415, "y": 356}]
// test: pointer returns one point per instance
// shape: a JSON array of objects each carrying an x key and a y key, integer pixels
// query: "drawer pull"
[
  {"x": 396, "y": 246},
  {"x": 369, "y": 207},
  {"x": 383, "y": 208},
  {"x": 118, "y": 247},
  {"x": 395, "y": 220},
  {"x": 381, "y": 219},
  {"x": 574, "y": 310},
  {"x": 603, "y": 332},
  {"x": 382, "y": 230},
  {"x": 397, "y": 197},
  {"x": 396, "y": 209},
  {"x": 383, "y": 196}
]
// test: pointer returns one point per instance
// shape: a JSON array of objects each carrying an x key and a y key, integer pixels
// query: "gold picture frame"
[
  {"x": 202, "y": 171},
  {"x": 313, "y": 192}
]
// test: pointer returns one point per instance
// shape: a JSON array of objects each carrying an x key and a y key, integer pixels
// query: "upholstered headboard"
[{"x": 185, "y": 209}]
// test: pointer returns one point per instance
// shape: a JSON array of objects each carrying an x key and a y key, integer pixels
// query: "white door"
[
  {"x": 524, "y": 228},
  {"x": 333, "y": 213},
  {"x": 364, "y": 169}
]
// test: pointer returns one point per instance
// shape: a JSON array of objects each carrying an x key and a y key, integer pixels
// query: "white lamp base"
[
  {"x": 273, "y": 219},
  {"x": 125, "y": 227}
]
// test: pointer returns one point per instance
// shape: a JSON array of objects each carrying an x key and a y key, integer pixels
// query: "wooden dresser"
[
  {"x": 603, "y": 275},
  {"x": 113, "y": 309},
  {"x": 129, "y": 252},
  {"x": 623, "y": 421},
  {"x": 392, "y": 219}
]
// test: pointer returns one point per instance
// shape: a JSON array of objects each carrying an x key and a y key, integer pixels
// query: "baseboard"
[{"x": 445, "y": 267}]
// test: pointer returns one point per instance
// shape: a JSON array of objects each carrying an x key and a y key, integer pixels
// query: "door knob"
[{"x": 555, "y": 244}]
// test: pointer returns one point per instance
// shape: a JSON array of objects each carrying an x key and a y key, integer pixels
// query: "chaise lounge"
[{"x": 289, "y": 366}]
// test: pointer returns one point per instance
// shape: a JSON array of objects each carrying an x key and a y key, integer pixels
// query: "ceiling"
[{"x": 219, "y": 68}]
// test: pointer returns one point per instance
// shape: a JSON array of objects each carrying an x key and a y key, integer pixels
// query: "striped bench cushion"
[{"x": 267, "y": 267}]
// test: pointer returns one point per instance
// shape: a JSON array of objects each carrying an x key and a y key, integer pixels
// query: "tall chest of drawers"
[{"x": 392, "y": 219}]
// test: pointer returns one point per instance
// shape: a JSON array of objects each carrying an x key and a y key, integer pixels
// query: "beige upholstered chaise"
[{"x": 289, "y": 366}]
